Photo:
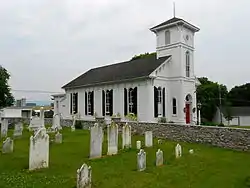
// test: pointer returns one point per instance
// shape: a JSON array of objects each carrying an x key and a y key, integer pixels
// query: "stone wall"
[{"x": 233, "y": 138}]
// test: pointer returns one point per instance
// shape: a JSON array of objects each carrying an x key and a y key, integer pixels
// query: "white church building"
[{"x": 162, "y": 84}]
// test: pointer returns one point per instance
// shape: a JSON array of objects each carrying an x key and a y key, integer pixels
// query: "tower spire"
[{"x": 174, "y": 8}]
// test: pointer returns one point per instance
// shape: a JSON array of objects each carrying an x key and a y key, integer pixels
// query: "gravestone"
[
  {"x": 96, "y": 136},
  {"x": 39, "y": 150},
  {"x": 58, "y": 138},
  {"x": 73, "y": 128},
  {"x": 56, "y": 124},
  {"x": 159, "y": 158},
  {"x": 35, "y": 123},
  {"x": 126, "y": 136},
  {"x": 4, "y": 128},
  {"x": 42, "y": 116},
  {"x": 159, "y": 141},
  {"x": 191, "y": 151},
  {"x": 148, "y": 138},
  {"x": 141, "y": 160},
  {"x": 84, "y": 177},
  {"x": 178, "y": 151},
  {"x": 8, "y": 145},
  {"x": 112, "y": 139},
  {"x": 138, "y": 144},
  {"x": 18, "y": 130}
]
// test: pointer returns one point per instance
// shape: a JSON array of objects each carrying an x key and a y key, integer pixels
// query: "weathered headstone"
[
  {"x": 148, "y": 138},
  {"x": 159, "y": 158},
  {"x": 42, "y": 116},
  {"x": 141, "y": 160},
  {"x": 8, "y": 145},
  {"x": 96, "y": 136},
  {"x": 84, "y": 177},
  {"x": 18, "y": 130},
  {"x": 138, "y": 144},
  {"x": 73, "y": 128},
  {"x": 56, "y": 125},
  {"x": 39, "y": 150},
  {"x": 178, "y": 151},
  {"x": 36, "y": 123},
  {"x": 112, "y": 139},
  {"x": 58, "y": 138},
  {"x": 159, "y": 141},
  {"x": 126, "y": 136},
  {"x": 4, "y": 128}
]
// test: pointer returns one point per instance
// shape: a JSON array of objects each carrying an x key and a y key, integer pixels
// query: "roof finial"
[{"x": 174, "y": 8}]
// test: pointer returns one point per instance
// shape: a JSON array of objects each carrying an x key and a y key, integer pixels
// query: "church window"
[
  {"x": 174, "y": 106},
  {"x": 187, "y": 64},
  {"x": 167, "y": 37}
]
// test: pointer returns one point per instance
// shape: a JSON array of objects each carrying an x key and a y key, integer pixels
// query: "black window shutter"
[
  {"x": 125, "y": 102},
  {"x": 86, "y": 103},
  {"x": 156, "y": 101},
  {"x": 92, "y": 103},
  {"x": 76, "y": 99},
  {"x": 103, "y": 103},
  {"x": 135, "y": 100},
  {"x": 163, "y": 102},
  {"x": 111, "y": 101},
  {"x": 71, "y": 103}
]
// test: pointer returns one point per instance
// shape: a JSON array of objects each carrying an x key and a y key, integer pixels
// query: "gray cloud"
[{"x": 44, "y": 44}]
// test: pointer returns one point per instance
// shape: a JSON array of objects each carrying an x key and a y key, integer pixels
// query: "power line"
[{"x": 34, "y": 91}]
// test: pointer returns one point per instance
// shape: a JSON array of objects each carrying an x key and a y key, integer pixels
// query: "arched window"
[
  {"x": 187, "y": 64},
  {"x": 174, "y": 106},
  {"x": 130, "y": 100},
  {"x": 167, "y": 37}
]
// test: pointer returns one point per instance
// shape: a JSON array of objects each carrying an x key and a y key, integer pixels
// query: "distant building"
[
  {"x": 21, "y": 102},
  {"x": 30, "y": 104},
  {"x": 240, "y": 116}
]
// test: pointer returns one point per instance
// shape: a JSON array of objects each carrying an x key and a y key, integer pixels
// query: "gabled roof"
[
  {"x": 177, "y": 21},
  {"x": 125, "y": 71},
  {"x": 237, "y": 111}
]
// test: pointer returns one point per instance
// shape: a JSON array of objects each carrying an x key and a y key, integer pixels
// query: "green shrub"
[
  {"x": 162, "y": 120},
  {"x": 79, "y": 124},
  {"x": 221, "y": 125}
]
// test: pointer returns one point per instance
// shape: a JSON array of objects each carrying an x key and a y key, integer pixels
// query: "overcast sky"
[{"x": 46, "y": 43}]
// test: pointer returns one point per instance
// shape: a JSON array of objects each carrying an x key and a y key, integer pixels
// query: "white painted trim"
[{"x": 175, "y": 45}]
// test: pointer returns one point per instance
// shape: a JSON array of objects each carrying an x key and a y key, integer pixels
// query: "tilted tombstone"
[
  {"x": 84, "y": 175},
  {"x": 8, "y": 145},
  {"x": 39, "y": 150}
]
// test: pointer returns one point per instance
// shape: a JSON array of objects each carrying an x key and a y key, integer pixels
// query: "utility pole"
[{"x": 220, "y": 103}]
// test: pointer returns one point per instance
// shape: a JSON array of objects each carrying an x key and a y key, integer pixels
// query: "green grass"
[{"x": 208, "y": 167}]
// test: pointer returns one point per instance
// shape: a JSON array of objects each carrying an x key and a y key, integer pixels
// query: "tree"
[
  {"x": 143, "y": 55},
  {"x": 228, "y": 113},
  {"x": 6, "y": 97},
  {"x": 208, "y": 96},
  {"x": 240, "y": 95}
]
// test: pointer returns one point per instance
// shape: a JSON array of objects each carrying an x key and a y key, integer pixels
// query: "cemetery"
[{"x": 100, "y": 156}]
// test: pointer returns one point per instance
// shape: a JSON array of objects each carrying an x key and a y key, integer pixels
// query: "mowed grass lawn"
[{"x": 208, "y": 167}]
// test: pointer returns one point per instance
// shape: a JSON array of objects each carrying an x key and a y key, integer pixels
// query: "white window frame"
[
  {"x": 187, "y": 64},
  {"x": 167, "y": 37},
  {"x": 107, "y": 103},
  {"x": 130, "y": 100},
  {"x": 73, "y": 102},
  {"x": 89, "y": 103}
]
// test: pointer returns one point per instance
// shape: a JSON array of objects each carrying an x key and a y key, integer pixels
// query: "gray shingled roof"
[
  {"x": 173, "y": 20},
  {"x": 132, "y": 69}
]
